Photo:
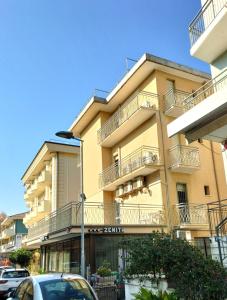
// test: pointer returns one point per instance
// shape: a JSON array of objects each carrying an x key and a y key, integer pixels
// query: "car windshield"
[
  {"x": 15, "y": 274},
  {"x": 66, "y": 289}
]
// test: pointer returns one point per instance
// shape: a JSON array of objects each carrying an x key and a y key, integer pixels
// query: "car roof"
[
  {"x": 54, "y": 276},
  {"x": 13, "y": 269}
]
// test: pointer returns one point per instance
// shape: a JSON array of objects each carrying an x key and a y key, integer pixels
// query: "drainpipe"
[{"x": 165, "y": 174}]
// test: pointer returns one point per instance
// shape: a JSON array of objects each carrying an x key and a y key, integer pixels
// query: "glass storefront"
[{"x": 64, "y": 256}]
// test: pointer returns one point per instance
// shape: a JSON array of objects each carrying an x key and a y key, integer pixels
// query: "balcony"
[
  {"x": 99, "y": 214},
  {"x": 8, "y": 232},
  {"x": 208, "y": 31},
  {"x": 205, "y": 112},
  {"x": 174, "y": 102},
  {"x": 211, "y": 87},
  {"x": 190, "y": 216},
  {"x": 44, "y": 178},
  {"x": 143, "y": 161},
  {"x": 184, "y": 159},
  {"x": 135, "y": 111},
  {"x": 43, "y": 207}
]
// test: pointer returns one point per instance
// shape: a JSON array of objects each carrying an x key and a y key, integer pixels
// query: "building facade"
[
  {"x": 51, "y": 181},
  {"x": 12, "y": 232},
  {"x": 136, "y": 179}
]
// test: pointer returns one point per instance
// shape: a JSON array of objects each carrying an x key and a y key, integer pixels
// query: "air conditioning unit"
[
  {"x": 119, "y": 191},
  {"x": 150, "y": 158},
  {"x": 147, "y": 104},
  {"x": 128, "y": 187},
  {"x": 138, "y": 183},
  {"x": 147, "y": 157}
]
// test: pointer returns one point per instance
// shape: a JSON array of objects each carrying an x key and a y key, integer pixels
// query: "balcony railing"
[
  {"x": 8, "y": 232},
  {"x": 185, "y": 156},
  {"x": 204, "y": 18},
  {"x": 190, "y": 215},
  {"x": 99, "y": 214},
  {"x": 214, "y": 85},
  {"x": 174, "y": 98},
  {"x": 141, "y": 100},
  {"x": 143, "y": 156}
]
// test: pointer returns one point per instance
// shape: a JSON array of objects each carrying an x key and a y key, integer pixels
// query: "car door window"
[
  {"x": 21, "y": 290},
  {"x": 28, "y": 294}
]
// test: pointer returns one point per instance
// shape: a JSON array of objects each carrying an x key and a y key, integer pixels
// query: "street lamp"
[{"x": 69, "y": 135}]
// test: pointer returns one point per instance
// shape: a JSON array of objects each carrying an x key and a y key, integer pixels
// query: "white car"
[
  {"x": 54, "y": 286},
  {"x": 10, "y": 279}
]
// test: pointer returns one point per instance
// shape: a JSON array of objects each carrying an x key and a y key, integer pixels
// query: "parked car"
[
  {"x": 55, "y": 286},
  {"x": 10, "y": 279}
]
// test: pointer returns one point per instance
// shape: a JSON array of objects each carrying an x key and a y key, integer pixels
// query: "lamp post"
[{"x": 69, "y": 135}]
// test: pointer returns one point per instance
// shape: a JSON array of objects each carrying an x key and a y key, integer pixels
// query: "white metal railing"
[
  {"x": 143, "y": 156},
  {"x": 184, "y": 156},
  {"x": 190, "y": 214},
  {"x": 174, "y": 98},
  {"x": 204, "y": 18},
  {"x": 124, "y": 112},
  {"x": 98, "y": 214},
  {"x": 8, "y": 232},
  {"x": 214, "y": 85}
]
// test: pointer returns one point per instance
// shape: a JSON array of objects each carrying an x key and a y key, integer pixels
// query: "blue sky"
[{"x": 54, "y": 53}]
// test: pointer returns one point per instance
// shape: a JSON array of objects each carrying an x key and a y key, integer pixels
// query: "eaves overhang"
[
  {"x": 138, "y": 73},
  {"x": 45, "y": 153}
]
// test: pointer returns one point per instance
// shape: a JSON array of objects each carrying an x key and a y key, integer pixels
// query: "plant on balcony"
[
  {"x": 193, "y": 276},
  {"x": 104, "y": 270},
  {"x": 145, "y": 294},
  {"x": 21, "y": 257}
]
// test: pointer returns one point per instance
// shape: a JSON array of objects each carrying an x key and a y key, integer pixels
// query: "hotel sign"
[{"x": 106, "y": 230}]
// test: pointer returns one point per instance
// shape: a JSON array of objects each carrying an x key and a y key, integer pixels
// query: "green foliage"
[
  {"x": 194, "y": 276},
  {"x": 13, "y": 257},
  {"x": 104, "y": 270},
  {"x": 145, "y": 294},
  {"x": 41, "y": 271},
  {"x": 21, "y": 256}
]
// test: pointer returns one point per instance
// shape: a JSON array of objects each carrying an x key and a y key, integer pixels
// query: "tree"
[
  {"x": 194, "y": 277},
  {"x": 21, "y": 256}
]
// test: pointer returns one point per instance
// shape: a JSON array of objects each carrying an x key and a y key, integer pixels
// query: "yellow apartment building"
[
  {"x": 142, "y": 179},
  {"x": 136, "y": 179},
  {"x": 51, "y": 182}
]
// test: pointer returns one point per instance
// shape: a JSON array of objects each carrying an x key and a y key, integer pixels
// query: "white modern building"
[{"x": 205, "y": 110}]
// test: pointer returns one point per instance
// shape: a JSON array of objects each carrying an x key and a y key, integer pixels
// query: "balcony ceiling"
[
  {"x": 139, "y": 117},
  {"x": 207, "y": 120},
  {"x": 212, "y": 43},
  {"x": 142, "y": 171}
]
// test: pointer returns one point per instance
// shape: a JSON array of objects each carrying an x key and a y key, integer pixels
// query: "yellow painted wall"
[{"x": 68, "y": 189}]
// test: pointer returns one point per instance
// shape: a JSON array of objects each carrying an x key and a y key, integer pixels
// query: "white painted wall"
[
  {"x": 133, "y": 286},
  {"x": 219, "y": 64}
]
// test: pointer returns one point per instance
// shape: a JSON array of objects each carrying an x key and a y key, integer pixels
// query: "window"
[
  {"x": 20, "y": 291},
  {"x": 206, "y": 190},
  {"x": 66, "y": 288},
  {"x": 182, "y": 193},
  {"x": 28, "y": 294},
  {"x": 15, "y": 274}
]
